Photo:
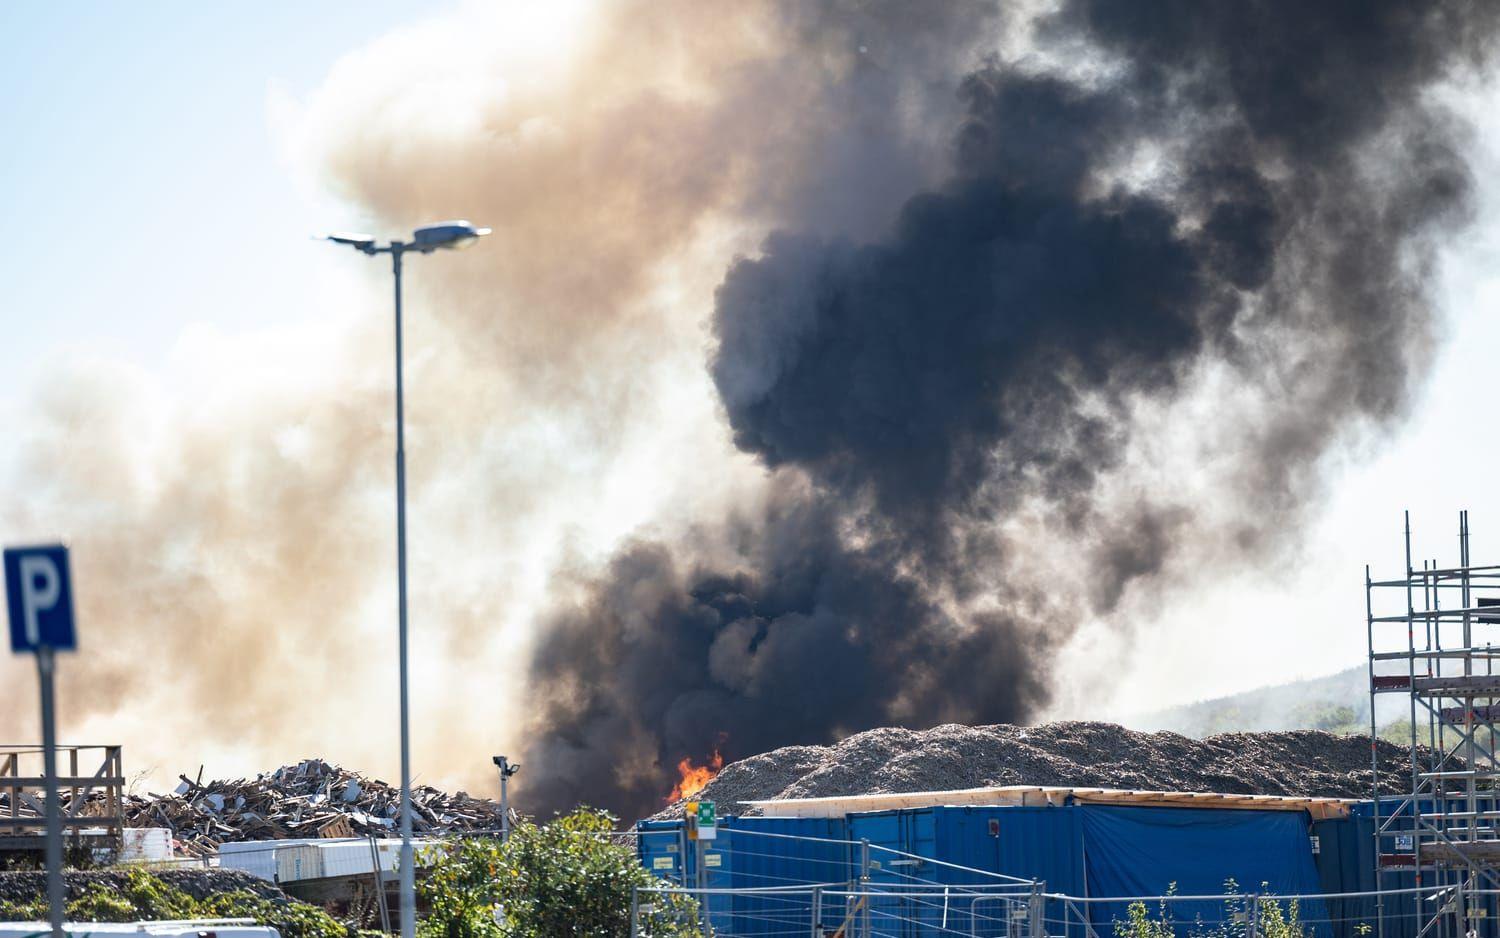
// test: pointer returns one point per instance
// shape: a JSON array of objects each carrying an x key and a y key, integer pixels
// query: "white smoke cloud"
[{"x": 232, "y": 516}]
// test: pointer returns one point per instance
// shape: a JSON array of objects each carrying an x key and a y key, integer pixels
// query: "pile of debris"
[
  {"x": 309, "y": 799},
  {"x": 1081, "y": 754}
]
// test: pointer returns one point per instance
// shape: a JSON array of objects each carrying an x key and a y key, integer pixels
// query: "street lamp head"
[
  {"x": 361, "y": 242},
  {"x": 446, "y": 234}
]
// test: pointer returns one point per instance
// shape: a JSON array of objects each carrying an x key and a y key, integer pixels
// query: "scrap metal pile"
[{"x": 310, "y": 799}]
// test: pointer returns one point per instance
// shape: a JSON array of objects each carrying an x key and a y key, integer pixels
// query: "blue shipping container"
[
  {"x": 1347, "y": 864},
  {"x": 781, "y": 852},
  {"x": 1086, "y": 851},
  {"x": 659, "y": 846},
  {"x": 1078, "y": 850},
  {"x": 1023, "y": 842},
  {"x": 755, "y": 853}
]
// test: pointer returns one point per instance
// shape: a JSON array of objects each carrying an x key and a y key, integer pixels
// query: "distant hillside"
[{"x": 1337, "y": 703}]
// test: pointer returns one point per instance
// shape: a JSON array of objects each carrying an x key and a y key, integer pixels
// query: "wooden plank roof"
[{"x": 839, "y": 805}]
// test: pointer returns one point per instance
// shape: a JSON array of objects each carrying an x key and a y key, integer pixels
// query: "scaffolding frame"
[{"x": 1444, "y": 827}]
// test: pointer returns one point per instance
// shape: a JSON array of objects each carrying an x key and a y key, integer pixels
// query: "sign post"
[
  {"x": 702, "y": 826},
  {"x": 39, "y": 600}
]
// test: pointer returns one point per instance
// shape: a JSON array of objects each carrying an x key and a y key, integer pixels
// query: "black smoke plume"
[{"x": 1158, "y": 187}]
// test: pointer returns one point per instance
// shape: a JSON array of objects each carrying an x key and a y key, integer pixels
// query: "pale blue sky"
[
  {"x": 140, "y": 182},
  {"x": 144, "y": 193}
]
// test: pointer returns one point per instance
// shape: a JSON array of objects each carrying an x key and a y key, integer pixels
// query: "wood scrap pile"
[{"x": 310, "y": 799}]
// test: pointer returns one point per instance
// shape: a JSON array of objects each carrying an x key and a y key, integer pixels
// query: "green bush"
[
  {"x": 1138, "y": 922},
  {"x": 560, "y": 878},
  {"x": 144, "y": 897},
  {"x": 1273, "y": 919}
]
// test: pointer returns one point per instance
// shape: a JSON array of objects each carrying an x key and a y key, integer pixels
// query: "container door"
[
  {"x": 888, "y": 916},
  {"x": 659, "y": 848},
  {"x": 968, "y": 838},
  {"x": 772, "y": 852}
]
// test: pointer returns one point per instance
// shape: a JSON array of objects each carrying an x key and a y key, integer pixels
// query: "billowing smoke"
[
  {"x": 1041, "y": 310},
  {"x": 1149, "y": 204}
]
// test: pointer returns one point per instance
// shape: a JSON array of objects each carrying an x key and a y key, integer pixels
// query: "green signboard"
[{"x": 702, "y": 821}]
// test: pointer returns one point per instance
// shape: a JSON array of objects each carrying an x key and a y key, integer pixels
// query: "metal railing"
[
  {"x": 873, "y": 911},
  {"x": 789, "y": 884}
]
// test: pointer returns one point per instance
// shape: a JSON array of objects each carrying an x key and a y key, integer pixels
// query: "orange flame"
[{"x": 694, "y": 777}]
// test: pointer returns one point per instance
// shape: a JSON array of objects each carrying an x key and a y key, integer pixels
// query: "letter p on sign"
[{"x": 39, "y": 598}]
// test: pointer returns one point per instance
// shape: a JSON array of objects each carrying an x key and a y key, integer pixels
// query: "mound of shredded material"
[{"x": 1100, "y": 755}]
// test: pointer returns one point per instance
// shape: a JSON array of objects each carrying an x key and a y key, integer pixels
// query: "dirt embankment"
[{"x": 28, "y": 885}]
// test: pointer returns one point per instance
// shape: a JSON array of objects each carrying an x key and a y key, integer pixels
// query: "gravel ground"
[
  {"x": 1103, "y": 755},
  {"x": 29, "y": 884}
]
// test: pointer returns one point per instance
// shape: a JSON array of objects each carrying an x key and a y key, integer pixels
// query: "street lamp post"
[
  {"x": 506, "y": 768},
  {"x": 425, "y": 240}
]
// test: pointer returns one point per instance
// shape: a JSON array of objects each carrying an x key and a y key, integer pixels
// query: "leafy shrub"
[
  {"x": 1138, "y": 922},
  {"x": 559, "y": 878},
  {"x": 1273, "y": 919}
]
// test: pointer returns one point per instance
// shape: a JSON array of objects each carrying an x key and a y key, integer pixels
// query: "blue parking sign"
[{"x": 39, "y": 597}]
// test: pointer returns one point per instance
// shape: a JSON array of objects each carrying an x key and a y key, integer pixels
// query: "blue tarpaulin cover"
[{"x": 1143, "y": 851}]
